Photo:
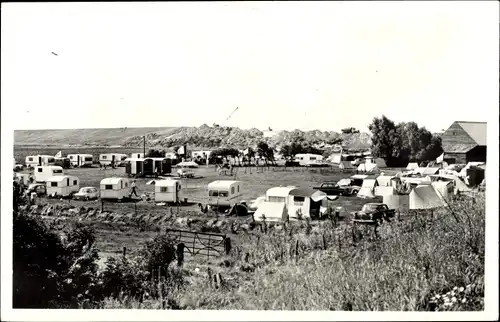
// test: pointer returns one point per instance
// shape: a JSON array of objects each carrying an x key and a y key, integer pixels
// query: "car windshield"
[
  {"x": 369, "y": 207},
  {"x": 344, "y": 182}
]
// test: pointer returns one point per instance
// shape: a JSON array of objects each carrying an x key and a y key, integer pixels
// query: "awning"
[{"x": 320, "y": 195}]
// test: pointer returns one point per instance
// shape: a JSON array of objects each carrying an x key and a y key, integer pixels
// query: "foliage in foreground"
[{"x": 427, "y": 262}]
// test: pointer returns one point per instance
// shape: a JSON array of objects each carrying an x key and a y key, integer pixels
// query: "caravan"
[
  {"x": 42, "y": 173},
  {"x": 116, "y": 158},
  {"x": 307, "y": 158},
  {"x": 168, "y": 191},
  {"x": 81, "y": 160},
  {"x": 62, "y": 186},
  {"x": 115, "y": 188},
  {"x": 224, "y": 193},
  {"x": 34, "y": 160}
]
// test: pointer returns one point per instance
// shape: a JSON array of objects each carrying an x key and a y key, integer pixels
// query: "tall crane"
[{"x": 230, "y": 115}]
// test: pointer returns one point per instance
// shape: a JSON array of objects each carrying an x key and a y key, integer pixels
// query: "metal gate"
[{"x": 198, "y": 243}]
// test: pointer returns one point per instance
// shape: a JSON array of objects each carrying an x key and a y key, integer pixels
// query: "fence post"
[
  {"x": 208, "y": 249},
  {"x": 297, "y": 248},
  {"x": 135, "y": 207},
  {"x": 180, "y": 254},
  {"x": 102, "y": 205},
  {"x": 227, "y": 245},
  {"x": 324, "y": 241},
  {"x": 124, "y": 251}
]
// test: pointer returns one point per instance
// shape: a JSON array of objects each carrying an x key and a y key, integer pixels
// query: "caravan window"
[
  {"x": 163, "y": 189},
  {"x": 71, "y": 157},
  {"x": 50, "y": 160},
  {"x": 213, "y": 193},
  {"x": 108, "y": 187},
  {"x": 40, "y": 170},
  {"x": 277, "y": 199},
  {"x": 312, "y": 158},
  {"x": 232, "y": 190},
  {"x": 53, "y": 184},
  {"x": 124, "y": 157},
  {"x": 88, "y": 159},
  {"x": 126, "y": 184},
  {"x": 298, "y": 201},
  {"x": 104, "y": 157},
  {"x": 30, "y": 159},
  {"x": 55, "y": 171},
  {"x": 238, "y": 188},
  {"x": 223, "y": 193},
  {"x": 75, "y": 182}
]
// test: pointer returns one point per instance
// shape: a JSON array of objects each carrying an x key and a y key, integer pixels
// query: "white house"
[
  {"x": 200, "y": 154},
  {"x": 136, "y": 155},
  {"x": 115, "y": 188},
  {"x": 34, "y": 160},
  {"x": 107, "y": 158},
  {"x": 168, "y": 190},
  {"x": 170, "y": 155},
  {"x": 81, "y": 160},
  {"x": 42, "y": 173},
  {"x": 62, "y": 186},
  {"x": 224, "y": 193},
  {"x": 305, "y": 158}
]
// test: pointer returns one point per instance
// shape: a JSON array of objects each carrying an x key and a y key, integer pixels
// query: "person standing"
[{"x": 134, "y": 191}]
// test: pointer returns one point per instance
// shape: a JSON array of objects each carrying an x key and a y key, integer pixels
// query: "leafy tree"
[
  {"x": 384, "y": 138},
  {"x": 350, "y": 130},
  {"x": 152, "y": 153},
  {"x": 265, "y": 151},
  {"x": 223, "y": 152},
  {"x": 403, "y": 142}
]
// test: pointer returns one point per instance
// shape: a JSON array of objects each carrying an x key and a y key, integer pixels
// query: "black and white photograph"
[{"x": 245, "y": 161}]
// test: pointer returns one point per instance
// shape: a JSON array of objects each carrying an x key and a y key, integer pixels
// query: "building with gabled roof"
[{"x": 465, "y": 142}]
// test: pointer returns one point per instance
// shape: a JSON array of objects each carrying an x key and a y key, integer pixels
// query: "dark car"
[
  {"x": 38, "y": 188},
  {"x": 374, "y": 212},
  {"x": 345, "y": 187}
]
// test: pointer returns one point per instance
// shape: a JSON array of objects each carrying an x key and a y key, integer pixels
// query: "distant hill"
[{"x": 195, "y": 137}]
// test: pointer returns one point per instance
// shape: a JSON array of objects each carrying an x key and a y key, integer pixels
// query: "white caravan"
[
  {"x": 34, "y": 160},
  {"x": 42, "y": 173},
  {"x": 81, "y": 160},
  {"x": 117, "y": 158},
  {"x": 168, "y": 191},
  {"x": 62, "y": 186},
  {"x": 224, "y": 193},
  {"x": 115, "y": 188}
]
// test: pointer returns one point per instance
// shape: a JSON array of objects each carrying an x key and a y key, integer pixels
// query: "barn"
[{"x": 464, "y": 142}]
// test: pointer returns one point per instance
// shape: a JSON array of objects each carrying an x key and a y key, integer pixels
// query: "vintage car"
[{"x": 86, "y": 193}]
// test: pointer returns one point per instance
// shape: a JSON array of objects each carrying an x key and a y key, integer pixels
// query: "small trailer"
[
  {"x": 224, "y": 193},
  {"x": 38, "y": 160},
  {"x": 115, "y": 188},
  {"x": 42, "y": 173},
  {"x": 81, "y": 160},
  {"x": 62, "y": 186},
  {"x": 118, "y": 159},
  {"x": 168, "y": 191},
  {"x": 146, "y": 167}
]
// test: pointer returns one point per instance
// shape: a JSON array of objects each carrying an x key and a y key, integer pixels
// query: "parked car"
[
  {"x": 345, "y": 187},
  {"x": 38, "y": 188},
  {"x": 86, "y": 193},
  {"x": 374, "y": 212}
]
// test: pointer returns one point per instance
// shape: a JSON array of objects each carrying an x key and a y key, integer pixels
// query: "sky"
[{"x": 305, "y": 65}]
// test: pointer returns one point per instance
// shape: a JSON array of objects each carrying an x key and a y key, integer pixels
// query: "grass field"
[{"x": 111, "y": 238}]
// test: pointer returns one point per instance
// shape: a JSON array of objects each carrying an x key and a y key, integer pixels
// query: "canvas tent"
[
  {"x": 385, "y": 181},
  {"x": 384, "y": 191},
  {"x": 271, "y": 211},
  {"x": 443, "y": 188},
  {"x": 427, "y": 171},
  {"x": 425, "y": 197},
  {"x": 379, "y": 162},
  {"x": 368, "y": 167},
  {"x": 367, "y": 190},
  {"x": 412, "y": 166}
]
